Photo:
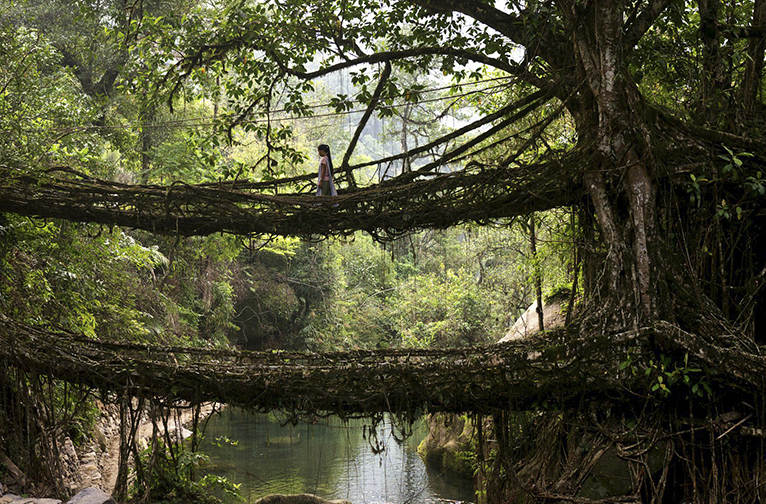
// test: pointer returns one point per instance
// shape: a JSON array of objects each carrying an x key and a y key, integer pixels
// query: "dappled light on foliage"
[{"x": 157, "y": 172}]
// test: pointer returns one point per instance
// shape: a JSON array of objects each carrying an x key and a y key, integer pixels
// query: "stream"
[{"x": 332, "y": 459}]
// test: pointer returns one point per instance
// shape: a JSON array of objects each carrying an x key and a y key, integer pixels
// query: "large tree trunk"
[
  {"x": 713, "y": 73},
  {"x": 610, "y": 121},
  {"x": 646, "y": 275},
  {"x": 644, "y": 279},
  {"x": 751, "y": 80}
]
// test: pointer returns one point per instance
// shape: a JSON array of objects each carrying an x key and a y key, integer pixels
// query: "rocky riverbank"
[
  {"x": 90, "y": 469},
  {"x": 86, "y": 496}
]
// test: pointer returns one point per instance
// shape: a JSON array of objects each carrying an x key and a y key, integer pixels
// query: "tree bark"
[
  {"x": 713, "y": 79},
  {"x": 620, "y": 184},
  {"x": 751, "y": 80},
  {"x": 537, "y": 273}
]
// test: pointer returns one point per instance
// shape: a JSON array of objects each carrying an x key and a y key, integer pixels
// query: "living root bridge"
[
  {"x": 393, "y": 207},
  {"x": 483, "y": 380}
]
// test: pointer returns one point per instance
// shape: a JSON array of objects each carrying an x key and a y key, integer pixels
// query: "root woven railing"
[
  {"x": 408, "y": 381},
  {"x": 389, "y": 208}
]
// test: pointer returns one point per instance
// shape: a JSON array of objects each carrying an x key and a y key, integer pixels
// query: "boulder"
[
  {"x": 92, "y": 496},
  {"x": 448, "y": 442},
  {"x": 529, "y": 323},
  {"x": 297, "y": 499}
]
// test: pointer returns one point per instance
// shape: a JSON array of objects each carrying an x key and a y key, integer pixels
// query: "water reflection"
[{"x": 331, "y": 459}]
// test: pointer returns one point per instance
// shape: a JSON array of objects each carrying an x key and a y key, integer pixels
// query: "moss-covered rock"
[{"x": 448, "y": 443}]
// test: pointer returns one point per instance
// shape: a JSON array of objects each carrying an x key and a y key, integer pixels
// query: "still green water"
[{"x": 331, "y": 459}]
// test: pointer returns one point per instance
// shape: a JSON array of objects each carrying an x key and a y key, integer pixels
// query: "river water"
[{"x": 332, "y": 459}]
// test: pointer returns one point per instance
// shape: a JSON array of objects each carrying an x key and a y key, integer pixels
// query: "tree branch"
[
  {"x": 448, "y": 156},
  {"x": 741, "y": 32},
  {"x": 539, "y": 96},
  {"x": 484, "y": 13},
  {"x": 638, "y": 25},
  {"x": 385, "y": 74},
  {"x": 514, "y": 27},
  {"x": 389, "y": 56}
]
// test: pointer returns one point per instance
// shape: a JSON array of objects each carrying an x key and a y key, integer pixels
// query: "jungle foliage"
[
  {"x": 637, "y": 126},
  {"x": 79, "y": 95}
]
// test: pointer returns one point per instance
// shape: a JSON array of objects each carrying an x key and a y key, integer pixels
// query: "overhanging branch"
[
  {"x": 384, "y": 76},
  {"x": 391, "y": 56},
  {"x": 537, "y": 98}
]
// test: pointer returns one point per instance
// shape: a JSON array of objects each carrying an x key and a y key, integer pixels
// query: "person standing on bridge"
[{"x": 325, "y": 185}]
